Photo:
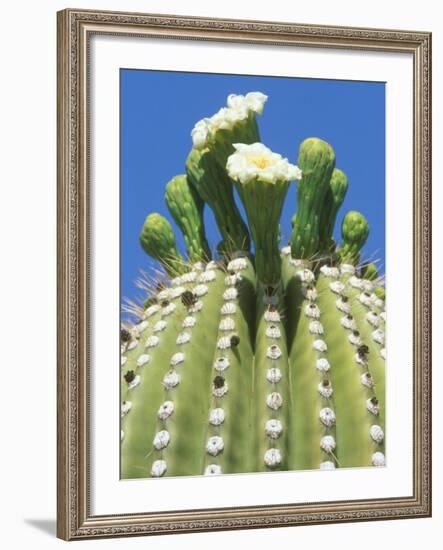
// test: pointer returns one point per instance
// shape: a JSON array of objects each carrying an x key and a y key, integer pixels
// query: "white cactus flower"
[
  {"x": 227, "y": 323},
  {"x": 356, "y": 282},
  {"x": 215, "y": 445},
  {"x": 195, "y": 308},
  {"x": 327, "y": 443},
  {"x": 189, "y": 321},
  {"x": 151, "y": 310},
  {"x": 367, "y": 380},
  {"x": 343, "y": 305},
  {"x": 365, "y": 299},
  {"x": 171, "y": 380},
  {"x": 256, "y": 161},
  {"x": 378, "y": 336},
  {"x": 347, "y": 269},
  {"x": 177, "y": 358},
  {"x": 165, "y": 410},
  {"x": 337, "y": 287},
  {"x": 216, "y": 416},
  {"x": 220, "y": 391},
  {"x": 372, "y": 406},
  {"x": 161, "y": 440},
  {"x": 348, "y": 322},
  {"x": 252, "y": 101},
  {"x": 273, "y": 352},
  {"x": 221, "y": 364},
  {"x": 134, "y": 383},
  {"x": 323, "y": 364},
  {"x": 167, "y": 310},
  {"x": 376, "y": 433},
  {"x": 271, "y": 316},
  {"x": 315, "y": 327},
  {"x": 273, "y": 428},
  {"x": 305, "y": 276},
  {"x": 158, "y": 468},
  {"x": 229, "y": 308},
  {"x": 383, "y": 353},
  {"x": 200, "y": 290},
  {"x": 319, "y": 345},
  {"x": 152, "y": 341},
  {"x": 207, "y": 276},
  {"x": 160, "y": 325},
  {"x": 309, "y": 293},
  {"x": 189, "y": 277},
  {"x": 273, "y": 332},
  {"x": 141, "y": 327},
  {"x": 183, "y": 338},
  {"x": 312, "y": 311},
  {"x": 273, "y": 375},
  {"x": 274, "y": 400},
  {"x": 272, "y": 458},
  {"x": 327, "y": 465},
  {"x": 378, "y": 459},
  {"x": 286, "y": 250},
  {"x": 239, "y": 264},
  {"x": 325, "y": 391},
  {"x": 328, "y": 271},
  {"x": 125, "y": 408},
  {"x": 230, "y": 294},
  {"x": 355, "y": 338},
  {"x": 327, "y": 417},
  {"x": 213, "y": 470},
  {"x": 123, "y": 360}
]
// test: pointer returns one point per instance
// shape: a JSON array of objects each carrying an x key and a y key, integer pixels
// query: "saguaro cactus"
[{"x": 255, "y": 362}]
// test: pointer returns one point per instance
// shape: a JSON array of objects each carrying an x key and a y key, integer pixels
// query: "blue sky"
[{"x": 158, "y": 109}]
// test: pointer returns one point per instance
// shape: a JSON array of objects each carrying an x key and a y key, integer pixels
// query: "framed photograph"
[{"x": 243, "y": 274}]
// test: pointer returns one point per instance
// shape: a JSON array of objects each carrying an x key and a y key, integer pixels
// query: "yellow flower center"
[{"x": 260, "y": 162}]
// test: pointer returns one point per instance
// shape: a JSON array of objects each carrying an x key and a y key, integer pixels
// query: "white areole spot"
[
  {"x": 189, "y": 277},
  {"x": 123, "y": 361},
  {"x": 143, "y": 360},
  {"x": 348, "y": 322},
  {"x": 347, "y": 269},
  {"x": 365, "y": 299},
  {"x": 332, "y": 272},
  {"x": 238, "y": 264},
  {"x": 141, "y": 327},
  {"x": 195, "y": 308},
  {"x": 161, "y": 439},
  {"x": 200, "y": 290},
  {"x": 183, "y": 338},
  {"x": 373, "y": 406},
  {"x": 189, "y": 321},
  {"x": 312, "y": 311},
  {"x": 305, "y": 276},
  {"x": 337, "y": 287},
  {"x": 167, "y": 310},
  {"x": 165, "y": 410},
  {"x": 151, "y": 310},
  {"x": 177, "y": 291},
  {"x": 272, "y": 458},
  {"x": 273, "y": 352},
  {"x": 227, "y": 323},
  {"x": 355, "y": 338},
  {"x": 273, "y": 428},
  {"x": 325, "y": 390},
  {"x": 309, "y": 292},
  {"x": 377, "y": 433},
  {"x": 160, "y": 325},
  {"x": 327, "y": 416},
  {"x": 215, "y": 445},
  {"x": 229, "y": 308},
  {"x": 207, "y": 276},
  {"x": 224, "y": 342},
  {"x": 231, "y": 280},
  {"x": 177, "y": 358},
  {"x": 286, "y": 250},
  {"x": 134, "y": 383},
  {"x": 356, "y": 282},
  {"x": 273, "y": 375},
  {"x": 273, "y": 332},
  {"x": 274, "y": 400},
  {"x": 158, "y": 468},
  {"x": 315, "y": 327},
  {"x": 327, "y": 465},
  {"x": 132, "y": 344},
  {"x": 220, "y": 391},
  {"x": 319, "y": 345},
  {"x": 272, "y": 316},
  {"x": 343, "y": 306},
  {"x": 378, "y": 336},
  {"x": 125, "y": 408},
  {"x": 152, "y": 341},
  {"x": 230, "y": 294},
  {"x": 378, "y": 459},
  {"x": 322, "y": 364},
  {"x": 372, "y": 318},
  {"x": 213, "y": 470},
  {"x": 327, "y": 443},
  {"x": 216, "y": 416},
  {"x": 383, "y": 353},
  {"x": 366, "y": 380},
  {"x": 171, "y": 380},
  {"x": 221, "y": 363}
]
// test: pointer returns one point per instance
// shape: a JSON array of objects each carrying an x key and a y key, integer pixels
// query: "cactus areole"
[{"x": 253, "y": 357}]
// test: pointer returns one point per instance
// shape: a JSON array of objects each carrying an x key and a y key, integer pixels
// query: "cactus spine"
[{"x": 263, "y": 361}]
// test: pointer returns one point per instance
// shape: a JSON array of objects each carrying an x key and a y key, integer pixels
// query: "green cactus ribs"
[{"x": 257, "y": 357}]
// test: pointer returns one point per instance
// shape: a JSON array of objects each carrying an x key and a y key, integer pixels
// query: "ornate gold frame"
[{"x": 75, "y": 27}]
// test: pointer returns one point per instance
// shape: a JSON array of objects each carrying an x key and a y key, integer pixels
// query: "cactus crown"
[{"x": 248, "y": 362}]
